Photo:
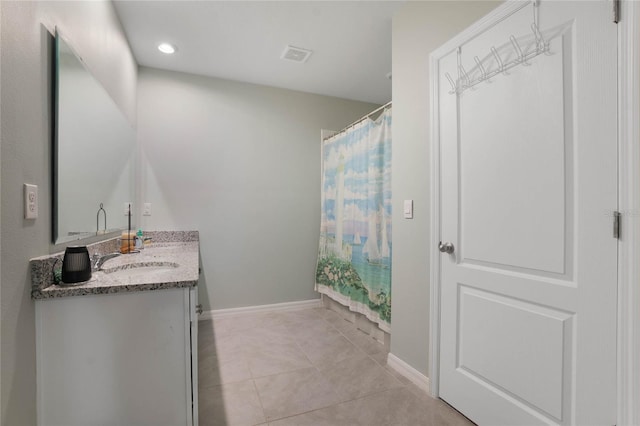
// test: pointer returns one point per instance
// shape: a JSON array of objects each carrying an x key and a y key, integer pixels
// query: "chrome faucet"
[{"x": 98, "y": 260}]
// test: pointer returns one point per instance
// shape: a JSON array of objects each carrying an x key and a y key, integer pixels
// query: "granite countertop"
[{"x": 177, "y": 266}]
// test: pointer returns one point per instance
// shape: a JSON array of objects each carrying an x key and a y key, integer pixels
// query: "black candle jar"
[{"x": 76, "y": 265}]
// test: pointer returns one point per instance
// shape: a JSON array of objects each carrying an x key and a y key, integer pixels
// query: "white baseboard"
[
  {"x": 416, "y": 377},
  {"x": 276, "y": 307}
]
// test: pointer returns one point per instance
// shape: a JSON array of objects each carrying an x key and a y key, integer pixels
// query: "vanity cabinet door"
[
  {"x": 116, "y": 359},
  {"x": 193, "y": 299}
]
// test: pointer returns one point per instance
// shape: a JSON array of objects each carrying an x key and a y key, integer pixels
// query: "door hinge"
[
  {"x": 616, "y": 11},
  {"x": 616, "y": 224}
]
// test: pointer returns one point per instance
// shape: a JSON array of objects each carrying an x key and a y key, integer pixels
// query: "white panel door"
[{"x": 528, "y": 186}]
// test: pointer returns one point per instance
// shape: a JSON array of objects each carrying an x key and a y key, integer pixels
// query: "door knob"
[{"x": 446, "y": 247}]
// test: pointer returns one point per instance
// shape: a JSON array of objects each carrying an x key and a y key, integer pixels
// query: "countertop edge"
[{"x": 79, "y": 291}]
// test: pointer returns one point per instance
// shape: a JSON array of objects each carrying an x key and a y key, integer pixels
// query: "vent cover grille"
[{"x": 296, "y": 54}]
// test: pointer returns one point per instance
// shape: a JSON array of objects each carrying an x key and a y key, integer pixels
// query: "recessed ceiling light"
[{"x": 166, "y": 48}]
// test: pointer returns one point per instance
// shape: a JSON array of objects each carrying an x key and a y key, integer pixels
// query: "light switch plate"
[
  {"x": 408, "y": 209},
  {"x": 30, "y": 201},
  {"x": 146, "y": 211}
]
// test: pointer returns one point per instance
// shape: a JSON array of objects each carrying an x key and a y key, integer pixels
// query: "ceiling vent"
[{"x": 296, "y": 54}]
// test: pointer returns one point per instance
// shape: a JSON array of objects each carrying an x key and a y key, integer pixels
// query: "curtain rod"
[{"x": 385, "y": 106}]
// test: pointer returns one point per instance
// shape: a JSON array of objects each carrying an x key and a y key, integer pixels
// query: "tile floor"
[{"x": 306, "y": 367}]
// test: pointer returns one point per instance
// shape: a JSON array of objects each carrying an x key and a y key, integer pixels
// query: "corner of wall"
[{"x": 418, "y": 29}]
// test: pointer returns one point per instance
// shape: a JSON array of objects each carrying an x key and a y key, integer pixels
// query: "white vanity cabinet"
[{"x": 126, "y": 358}]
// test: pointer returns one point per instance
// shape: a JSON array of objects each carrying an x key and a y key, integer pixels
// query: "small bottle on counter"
[{"x": 139, "y": 240}]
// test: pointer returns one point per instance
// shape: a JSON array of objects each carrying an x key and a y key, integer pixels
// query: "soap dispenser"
[{"x": 139, "y": 240}]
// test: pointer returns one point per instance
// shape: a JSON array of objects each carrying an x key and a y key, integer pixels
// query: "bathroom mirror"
[{"x": 93, "y": 153}]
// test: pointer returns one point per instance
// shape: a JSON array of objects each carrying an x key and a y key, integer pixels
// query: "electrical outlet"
[
  {"x": 146, "y": 211},
  {"x": 127, "y": 206},
  {"x": 30, "y": 201}
]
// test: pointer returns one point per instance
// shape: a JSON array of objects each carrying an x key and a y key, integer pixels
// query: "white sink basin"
[{"x": 137, "y": 270}]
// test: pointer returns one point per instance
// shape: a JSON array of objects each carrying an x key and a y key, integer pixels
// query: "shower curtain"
[{"x": 354, "y": 257}]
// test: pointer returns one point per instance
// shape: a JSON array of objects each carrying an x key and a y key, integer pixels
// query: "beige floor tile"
[
  {"x": 226, "y": 347},
  {"x": 396, "y": 407},
  {"x": 339, "y": 322},
  {"x": 344, "y": 326},
  {"x": 230, "y": 404},
  {"x": 268, "y": 335},
  {"x": 365, "y": 342},
  {"x": 420, "y": 393},
  {"x": 324, "y": 312},
  {"x": 329, "y": 416},
  {"x": 353, "y": 333},
  {"x": 213, "y": 372},
  {"x": 311, "y": 329},
  {"x": 446, "y": 416},
  {"x": 240, "y": 323},
  {"x": 330, "y": 315},
  {"x": 205, "y": 326},
  {"x": 294, "y": 393},
  {"x": 380, "y": 358},
  {"x": 401, "y": 378},
  {"x": 205, "y": 333},
  {"x": 323, "y": 349},
  {"x": 278, "y": 350},
  {"x": 358, "y": 376},
  {"x": 275, "y": 359},
  {"x": 298, "y": 316}
]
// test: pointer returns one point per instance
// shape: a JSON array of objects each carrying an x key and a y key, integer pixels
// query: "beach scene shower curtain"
[{"x": 354, "y": 257}]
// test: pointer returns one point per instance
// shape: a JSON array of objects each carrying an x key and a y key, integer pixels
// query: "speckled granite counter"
[{"x": 174, "y": 254}]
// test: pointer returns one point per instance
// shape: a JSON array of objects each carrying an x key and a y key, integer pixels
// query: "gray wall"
[
  {"x": 25, "y": 55},
  {"x": 241, "y": 164},
  {"x": 418, "y": 29}
]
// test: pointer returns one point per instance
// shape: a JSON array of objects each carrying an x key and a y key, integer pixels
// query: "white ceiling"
[{"x": 243, "y": 40}]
